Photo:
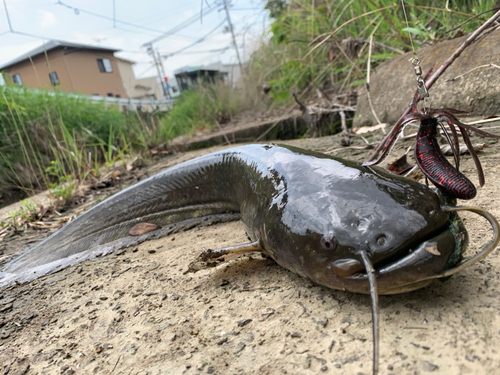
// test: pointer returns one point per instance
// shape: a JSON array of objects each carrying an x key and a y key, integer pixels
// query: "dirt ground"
[{"x": 136, "y": 312}]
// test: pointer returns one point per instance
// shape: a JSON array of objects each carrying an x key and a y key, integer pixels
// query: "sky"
[{"x": 128, "y": 24}]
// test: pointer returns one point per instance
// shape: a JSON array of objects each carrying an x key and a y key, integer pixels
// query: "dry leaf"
[
  {"x": 399, "y": 166},
  {"x": 366, "y": 129},
  {"x": 446, "y": 149}
]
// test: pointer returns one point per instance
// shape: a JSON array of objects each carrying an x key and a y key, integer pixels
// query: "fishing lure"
[{"x": 428, "y": 153}]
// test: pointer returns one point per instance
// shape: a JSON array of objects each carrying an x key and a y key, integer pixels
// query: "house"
[
  {"x": 232, "y": 72},
  {"x": 82, "y": 69},
  {"x": 188, "y": 76},
  {"x": 72, "y": 67},
  {"x": 143, "y": 88}
]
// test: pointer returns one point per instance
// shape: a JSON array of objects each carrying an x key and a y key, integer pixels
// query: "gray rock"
[{"x": 429, "y": 367}]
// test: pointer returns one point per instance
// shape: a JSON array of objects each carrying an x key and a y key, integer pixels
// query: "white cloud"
[
  {"x": 47, "y": 19},
  {"x": 10, "y": 52},
  {"x": 98, "y": 39}
]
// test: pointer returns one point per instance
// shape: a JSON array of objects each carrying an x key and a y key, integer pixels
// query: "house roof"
[
  {"x": 131, "y": 62},
  {"x": 188, "y": 69},
  {"x": 50, "y": 45}
]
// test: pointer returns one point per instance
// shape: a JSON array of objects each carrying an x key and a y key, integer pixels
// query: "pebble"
[
  {"x": 244, "y": 322},
  {"x": 268, "y": 313},
  {"x": 248, "y": 337},
  {"x": 222, "y": 341},
  {"x": 429, "y": 367},
  {"x": 323, "y": 322},
  {"x": 239, "y": 347}
]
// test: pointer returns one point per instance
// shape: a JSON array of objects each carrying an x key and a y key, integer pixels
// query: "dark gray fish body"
[{"x": 290, "y": 201}]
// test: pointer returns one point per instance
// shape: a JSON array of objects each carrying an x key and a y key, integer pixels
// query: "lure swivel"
[{"x": 422, "y": 90}]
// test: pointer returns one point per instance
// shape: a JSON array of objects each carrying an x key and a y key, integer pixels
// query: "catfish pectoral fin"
[{"x": 212, "y": 258}]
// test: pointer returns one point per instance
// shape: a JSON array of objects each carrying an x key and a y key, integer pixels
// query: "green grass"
[
  {"x": 202, "y": 108},
  {"x": 50, "y": 138},
  {"x": 55, "y": 140}
]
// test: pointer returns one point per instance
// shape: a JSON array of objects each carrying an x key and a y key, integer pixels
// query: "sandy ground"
[{"x": 136, "y": 312}]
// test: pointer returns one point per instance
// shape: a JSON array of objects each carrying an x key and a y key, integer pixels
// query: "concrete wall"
[{"x": 77, "y": 71}]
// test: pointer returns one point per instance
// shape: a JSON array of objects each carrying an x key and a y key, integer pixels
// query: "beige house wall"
[
  {"x": 145, "y": 87},
  {"x": 35, "y": 73},
  {"x": 77, "y": 71},
  {"x": 127, "y": 74},
  {"x": 142, "y": 88}
]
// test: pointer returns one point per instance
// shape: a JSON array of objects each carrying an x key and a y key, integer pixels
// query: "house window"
[
  {"x": 53, "y": 78},
  {"x": 17, "y": 79},
  {"x": 104, "y": 66},
  {"x": 118, "y": 96},
  {"x": 110, "y": 94}
]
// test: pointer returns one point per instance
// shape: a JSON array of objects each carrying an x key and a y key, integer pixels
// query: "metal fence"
[
  {"x": 132, "y": 104},
  {"x": 123, "y": 104}
]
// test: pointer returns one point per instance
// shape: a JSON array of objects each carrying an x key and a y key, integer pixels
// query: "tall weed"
[
  {"x": 51, "y": 138},
  {"x": 203, "y": 107},
  {"x": 325, "y": 43}
]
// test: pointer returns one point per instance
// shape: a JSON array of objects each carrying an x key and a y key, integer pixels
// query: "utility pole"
[
  {"x": 232, "y": 33},
  {"x": 164, "y": 83},
  {"x": 152, "y": 53}
]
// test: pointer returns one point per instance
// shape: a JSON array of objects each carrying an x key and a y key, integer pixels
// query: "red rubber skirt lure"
[
  {"x": 436, "y": 167},
  {"x": 428, "y": 153}
]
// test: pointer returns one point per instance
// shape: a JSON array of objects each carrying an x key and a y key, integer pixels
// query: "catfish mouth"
[
  {"x": 404, "y": 270},
  {"x": 435, "y": 258}
]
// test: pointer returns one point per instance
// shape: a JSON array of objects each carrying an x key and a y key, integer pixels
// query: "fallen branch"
[{"x": 346, "y": 141}]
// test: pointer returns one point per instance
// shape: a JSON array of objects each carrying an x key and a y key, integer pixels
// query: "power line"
[
  {"x": 205, "y": 51},
  {"x": 7, "y": 14},
  {"x": 195, "y": 43},
  {"x": 147, "y": 70},
  {"x": 183, "y": 25},
  {"x": 131, "y": 31},
  {"x": 77, "y": 11},
  {"x": 30, "y": 35},
  {"x": 114, "y": 14}
]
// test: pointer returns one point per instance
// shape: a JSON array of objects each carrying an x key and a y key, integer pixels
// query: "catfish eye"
[
  {"x": 381, "y": 240},
  {"x": 329, "y": 242}
]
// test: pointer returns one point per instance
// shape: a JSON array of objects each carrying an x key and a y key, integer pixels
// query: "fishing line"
[
  {"x": 408, "y": 26},
  {"x": 421, "y": 88}
]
